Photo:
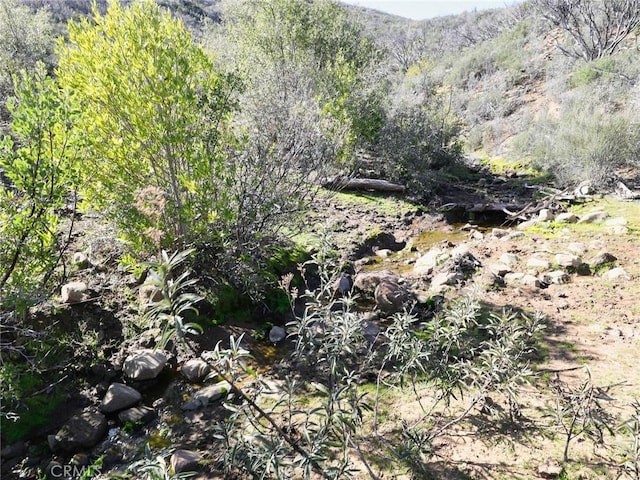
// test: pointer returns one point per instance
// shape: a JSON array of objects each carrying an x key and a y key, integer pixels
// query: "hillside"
[{"x": 193, "y": 278}]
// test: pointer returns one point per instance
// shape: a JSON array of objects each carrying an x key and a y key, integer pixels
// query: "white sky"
[{"x": 421, "y": 9}]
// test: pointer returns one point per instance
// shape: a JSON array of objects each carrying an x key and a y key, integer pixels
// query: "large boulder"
[
  {"x": 185, "y": 461},
  {"x": 390, "y": 296},
  {"x": 73, "y": 292},
  {"x": 367, "y": 282},
  {"x": 82, "y": 431},
  {"x": 119, "y": 396}
]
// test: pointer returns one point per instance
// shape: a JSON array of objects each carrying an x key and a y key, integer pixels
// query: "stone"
[
  {"x": 144, "y": 364},
  {"x": 509, "y": 259},
  {"x": 277, "y": 334},
  {"x": 616, "y": 222},
  {"x": 383, "y": 253},
  {"x": 429, "y": 261},
  {"x": 476, "y": 235},
  {"x": 617, "y": 273},
  {"x": 618, "y": 230},
  {"x": 499, "y": 269},
  {"x": 118, "y": 397},
  {"x": 195, "y": 370},
  {"x": 82, "y": 431},
  {"x": 461, "y": 250},
  {"x": 13, "y": 450},
  {"x": 578, "y": 248},
  {"x": 446, "y": 278},
  {"x": 500, "y": 232},
  {"x": 557, "y": 277},
  {"x": 511, "y": 278},
  {"x": 390, "y": 297},
  {"x": 550, "y": 469},
  {"x": 73, "y": 292},
  {"x": 80, "y": 260},
  {"x": 566, "y": 217},
  {"x": 149, "y": 294},
  {"x": 528, "y": 223},
  {"x": 207, "y": 395},
  {"x": 368, "y": 281},
  {"x": 602, "y": 258},
  {"x": 584, "y": 189},
  {"x": 185, "y": 461},
  {"x": 343, "y": 285},
  {"x": 512, "y": 236},
  {"x": 140, "y": 415},
  {"x": 370, "y": 330},
  {"x": 593, "y": 217},
  {"x": 568, "y": 260},
  {"x": 545, "y": 215},
  {"x": 538, "y": 263},
  {"x": 531, "y": 281}
]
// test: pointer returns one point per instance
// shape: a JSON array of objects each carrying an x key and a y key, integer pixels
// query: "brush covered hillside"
[{"x": 288, "y": 239}]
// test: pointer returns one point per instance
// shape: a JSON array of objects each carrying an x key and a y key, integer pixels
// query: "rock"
[
  {"x": 499, "y": 269},
  {"x": 538, "y": 263},
  {"x": 383, "y": 252},
  {"x": 500, "y": 232},
  {"x": 616, "y": 222},
  {"x": 578, "y": 248},
  {"x": 429, "y": 261},
  {"x": 195, "y": 370},
  {"x": 476, "y": 235},
  {"x": 144, "y": 364},
  {"x": 370, "y": 330},
  {"x": 368, "y": 281},
  {"x": 512, "y": 236},
  {"x": 73, "y": 292},
  {"x": 390, "y": 296},
  {"x": 206, "y": 395},
  {"x": 566, "y": 217},
  {"x": 509, "y": 259},
  {"x": 593, "y": 217},
  {"x": 550, "y": 470},
  {"x": 277, "y": 334},
  {"x": 149, "y": 294},
  {"x": 185, "y": 461},
  {"x": 137, "y": 415},
  {"x": 459, "y": 251},
  {"x": 80, "y": 260},
  {"x": 526, "y": 224},
  {"x": 584, "y": 189},
  {"x": 446, "y": 278},
  {"x": 557, "y": 277},
  {"x": 343, "y": 285},
  {"x": 618, "y": 230},
  {"x": 545, "y": 215},
  {"x": 13, "y": 450},
  {"x": 118, "y": 397},
  {"x": 531, "y": 281},
  {"x": 82, "y": 431},
  {"x": 511, "y": 278},
  {"x": 568, "y": 260},
  {"x": 617, "y": 273},
  {"x": 602, "y": 258}
]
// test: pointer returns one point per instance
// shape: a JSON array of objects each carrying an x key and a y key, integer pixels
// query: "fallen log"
[{"x": 371, "y": 184}]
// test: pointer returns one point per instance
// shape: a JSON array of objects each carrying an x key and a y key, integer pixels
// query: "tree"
[
  {"x": 154, "y": 111},
  {"x": 597, "y": 27}
]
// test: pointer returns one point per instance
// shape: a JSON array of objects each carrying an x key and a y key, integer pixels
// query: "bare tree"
[{"x": 597, "y": 27}]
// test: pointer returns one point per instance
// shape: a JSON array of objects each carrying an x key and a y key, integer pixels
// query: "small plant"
[
  {"x": 630, "y": 467},
  {"x": 168, "y": 313},
  {"x": 580, "y": 411}
]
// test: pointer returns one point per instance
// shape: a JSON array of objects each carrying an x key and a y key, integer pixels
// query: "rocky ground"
[{"x": 576, "y": 262}]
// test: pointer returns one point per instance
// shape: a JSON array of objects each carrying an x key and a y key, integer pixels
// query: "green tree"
[
  {"x": 36, "y": 162},
  {"x": 154, "y": 111}
]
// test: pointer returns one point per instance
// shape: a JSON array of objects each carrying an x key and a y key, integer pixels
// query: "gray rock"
[
  {"x": 80, "y": 260},
  {"x": 82, "y": 431},
  {"x": 618, "y": 230},
  {"x": 368, "y": 281},
  {"x": 446, "y": 278},
  {"x": 118, "y": 397},
  {"x": 509, "y": 259},
  {"x": 13, "y": 450},
  {"x": 206, "y": 395},
  {"x": 73, "y": 292},
  {"x": 616, "y": 222},
  {"x": 499, "y": 269},
  {"x": 429, "y": 261},
  {"x": 343, "y": 285},
  {"x": 383, "y": 253},
  {"x": 500, "y": 232},
  {"x": 390, "y": 296},
  {"x": 566, "y": 217},
  {"x": 370, "y": 330},
  {"x": 602, "y": 258},
  {"x": 545, "y": 215},
  {"x": 512, "y": 236},
  {"x": 185, "y": 461},
  {"x": 511, "y": 278},
  {"x": 529, "y": 223},
  {"x": 617, "y": 273},
  {"x": 593, "y": 217},
  {"x": 568, "y": 260},
  {"x": 137, "y": 415},
  {"x": 144, "y": 364},
  {"x": 195, "y": 370},
  {"x": 557, "y": 277},
  {"x": 578, "y": 248},
  {"x": 538, "y": 263},
  {"x": 531, "y": 281},
  {"x": 277, "y": 334}
]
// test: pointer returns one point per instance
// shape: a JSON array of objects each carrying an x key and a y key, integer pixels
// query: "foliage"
[
  {"x": 155, "y": 467},
  {"x": 168, "y": 313},
  {"x": 630, "y": 466},
  {"x": 26, "y": 38},
  {"x": 596, "y": 27},
  {"x": 149, "y": 95},
  {"x": 38, "y": 176}
]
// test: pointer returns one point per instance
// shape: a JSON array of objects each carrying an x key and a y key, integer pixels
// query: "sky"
[{"x": 421, "y": 9}]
